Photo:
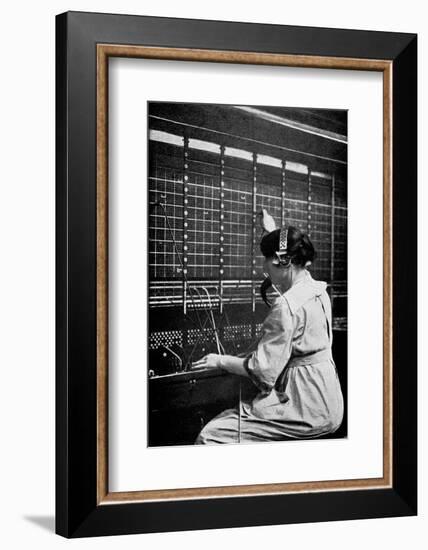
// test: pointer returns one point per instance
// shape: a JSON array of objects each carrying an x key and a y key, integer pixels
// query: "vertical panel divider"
[
  {"x": 309, "y": 220},
  {"x": 283, "y": 167},
  {"x": 253, "y": 242},
  {"x": 333, "y": 229},
  {"x": 221, "y": 230},
  {"x": 185, "y": 217}
]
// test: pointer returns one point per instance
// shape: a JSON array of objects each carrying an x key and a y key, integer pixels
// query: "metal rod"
[
  {"x": 283, "y": 182},
  {"x": 185, "y": 214},
  {"x": 221, "y": 233},
  {"x": 333, "y": 192},
  {"x": 309, "y": 205},
  {"x": 254, "y": 234}
]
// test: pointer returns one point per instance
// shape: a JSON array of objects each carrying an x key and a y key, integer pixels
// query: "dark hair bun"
[{"x": 300, "y": 248}]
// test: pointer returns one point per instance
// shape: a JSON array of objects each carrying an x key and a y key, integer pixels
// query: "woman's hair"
[{"x": 299, "y": 247}]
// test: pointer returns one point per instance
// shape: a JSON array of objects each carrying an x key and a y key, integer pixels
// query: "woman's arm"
[
  {"x": 234, "y": 365},
  {"x": 266, "y": 362},
  {"x": 230, "y": 363}
]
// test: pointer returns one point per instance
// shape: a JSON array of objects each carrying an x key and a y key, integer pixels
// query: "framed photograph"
[{"x": 236, "y": 274}]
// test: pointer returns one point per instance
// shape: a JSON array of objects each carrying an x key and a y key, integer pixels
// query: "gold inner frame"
[{"x": 104, "y": 52}]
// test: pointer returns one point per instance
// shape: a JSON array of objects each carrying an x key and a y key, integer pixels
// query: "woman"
[{"x": 299, "y": 394}]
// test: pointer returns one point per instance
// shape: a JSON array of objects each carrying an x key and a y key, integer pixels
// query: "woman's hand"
[
  {"x": 229, "y": 363},
  {"x": 212, "y": 360}
]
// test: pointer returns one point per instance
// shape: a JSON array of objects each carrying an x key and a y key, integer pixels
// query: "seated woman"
[{"x": 299, "y": 394}]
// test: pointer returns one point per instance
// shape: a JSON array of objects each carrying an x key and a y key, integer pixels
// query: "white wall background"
[{"x": 27, "y": 272}]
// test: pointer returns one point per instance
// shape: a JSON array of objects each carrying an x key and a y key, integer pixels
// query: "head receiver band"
[{"x": 282, "y": 255}]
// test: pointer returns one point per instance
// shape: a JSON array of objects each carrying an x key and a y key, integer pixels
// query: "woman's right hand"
[{"x": 212, "y": 360}]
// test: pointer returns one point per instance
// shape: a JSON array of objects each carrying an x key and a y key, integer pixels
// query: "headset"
[{"x": 282, "y": 257}]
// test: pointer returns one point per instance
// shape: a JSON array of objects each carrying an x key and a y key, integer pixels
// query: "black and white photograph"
[
  {"x": 212, "y": 306},
  {"x": 247, "y": 263}
]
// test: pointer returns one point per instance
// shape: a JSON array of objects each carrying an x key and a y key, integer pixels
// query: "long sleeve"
[{"x": 266, "y": 363}]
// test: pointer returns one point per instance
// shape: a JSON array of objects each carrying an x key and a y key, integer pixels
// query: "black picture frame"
[{"x": 78, "y": 510}]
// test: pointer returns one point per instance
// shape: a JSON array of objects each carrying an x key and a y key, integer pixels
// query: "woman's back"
[
  {"x": 310, "y": 313},
  {"x": 293, "y": 366}
]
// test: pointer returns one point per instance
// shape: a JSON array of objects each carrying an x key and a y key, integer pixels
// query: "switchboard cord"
[
  {"x": 189, "y": 288},
  {"x": 180, "y": 361},
  {"x": 210, "y": 318},
  {"x": 186, "y": 281},
  {"x": 221, "y": 351},
  {"x": 239, "y": 379},
  {"x": 220, "y": 347}
]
